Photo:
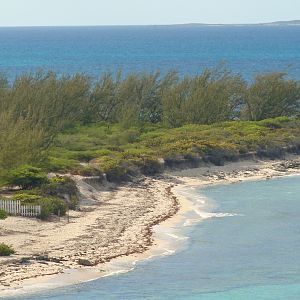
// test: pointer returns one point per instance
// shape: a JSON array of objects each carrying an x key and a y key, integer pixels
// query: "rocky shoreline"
[{"x": 114, "y": 221}]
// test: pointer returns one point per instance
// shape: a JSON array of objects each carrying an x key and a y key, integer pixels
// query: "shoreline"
[{"x": 159, "y": 237}]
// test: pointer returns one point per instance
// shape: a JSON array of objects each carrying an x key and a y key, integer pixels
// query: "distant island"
[
  {"x": 277, "y": 23},
  {"x": 293, "y": 22}
]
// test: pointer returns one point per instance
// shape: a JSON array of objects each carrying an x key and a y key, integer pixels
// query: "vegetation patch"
[
  {"x": 3, "y": 214},
  {"x": 187, "y": 145},
  {"x": 6, "y": 250},
  {"x": 26, "y": 177},
  {"x": 122, "y": 126}
]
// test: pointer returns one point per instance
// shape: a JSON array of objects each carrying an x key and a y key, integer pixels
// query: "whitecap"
[{"x": 210, "y": 215}]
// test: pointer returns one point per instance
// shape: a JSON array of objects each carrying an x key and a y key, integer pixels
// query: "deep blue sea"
[
  {"x": 247, "y": 248},
  {"x": 94, "y": 50}
]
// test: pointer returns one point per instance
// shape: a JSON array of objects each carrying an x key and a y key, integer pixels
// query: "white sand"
[{"x": 114, "y": 223}]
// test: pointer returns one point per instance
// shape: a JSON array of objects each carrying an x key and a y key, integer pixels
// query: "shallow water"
[
  {"x": 188, "y": 50},
  {"x": 246, "y": 248}
]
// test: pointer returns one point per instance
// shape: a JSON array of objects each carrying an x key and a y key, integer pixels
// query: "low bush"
[
  {"x": 3, "y": 214},
  {"x": 117, "y": 174},
  {"x": 58, "y": 186},
  {"x": 6, "y": 250},
  {"x": 65, "y": 164},
  {"x": 122, "y": 153},
  {"x": 88, "y": 171},
  {"x": 26, "y": 177},
  {"x": 151, "y": 166},
  {"x": 52, "y": 205},
  {"x": 27, "y": 198}
]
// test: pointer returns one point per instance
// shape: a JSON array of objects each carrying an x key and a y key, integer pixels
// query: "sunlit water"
[
  {"x": 94, "y": 50},
  {"x": 246, "y": 248}
]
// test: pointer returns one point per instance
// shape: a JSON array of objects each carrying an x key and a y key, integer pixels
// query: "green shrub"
[
  {"x": 3, "y": 214},
  {"x": 59, "y": 186},
  {"x": 62, "y": 187},
  {"x": 88, "y": 171},
  {"x": 130, "y": 136},
  {"x": 73, "y": 203},
  {"x": 151, "y": 166},
  {"x": 6, "y": 250},
  {"x": 122, "y": 153},
  {"x": 26, "y": 177},
  {"x": 52, "y": 205},
  {"x": 117, "y": 174},
  {"x": 55, "y": 164},
  {"x": 27, "y": 198}
]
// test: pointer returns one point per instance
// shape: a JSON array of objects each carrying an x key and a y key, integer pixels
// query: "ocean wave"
[
  {"x": 113, "y": 273},
  {"x": 181, "y": 238},
  {"x": 191, "y": 222},
  {"x": 210, "y": 215}
]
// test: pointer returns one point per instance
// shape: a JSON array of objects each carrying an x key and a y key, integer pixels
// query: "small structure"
[{"x": 15, "y": 208}]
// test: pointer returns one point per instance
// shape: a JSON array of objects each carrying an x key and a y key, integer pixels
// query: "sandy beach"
[{"x": 115, "y": 227}]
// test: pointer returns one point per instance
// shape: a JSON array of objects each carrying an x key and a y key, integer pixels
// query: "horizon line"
[{"x": 289, "y": 22}]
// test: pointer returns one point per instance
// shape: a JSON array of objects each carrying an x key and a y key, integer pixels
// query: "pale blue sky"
[{"x": 125, "y": 12}]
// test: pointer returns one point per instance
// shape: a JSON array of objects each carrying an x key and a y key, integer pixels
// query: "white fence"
[{"x": 14, "y": 207}]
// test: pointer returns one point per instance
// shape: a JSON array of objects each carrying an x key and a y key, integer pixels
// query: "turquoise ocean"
[
  {"x": 187, "y": 49},
  {"x": 246, "y": 247}
]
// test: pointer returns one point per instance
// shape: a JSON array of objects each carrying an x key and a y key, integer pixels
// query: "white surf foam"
[{"x": 209, "y": 215}]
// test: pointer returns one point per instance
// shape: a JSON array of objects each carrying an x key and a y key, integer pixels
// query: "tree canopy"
[{"x": 35, "y": 108}]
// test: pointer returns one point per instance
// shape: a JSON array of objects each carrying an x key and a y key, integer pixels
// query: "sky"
[{"x": 144, "y": 12}]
